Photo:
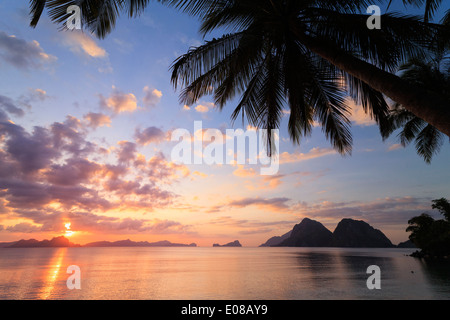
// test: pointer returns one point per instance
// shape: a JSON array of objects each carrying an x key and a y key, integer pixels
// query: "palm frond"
[
  {"x": 199, "y": 60},
  {"x": 298, "y": 73},
  {"x": 431, "y": 6},
  {"x": 400, "y": 37},
  {"x": 98, "y": 16},
  {"x": 270, "y": 111},
  {"x": 411, "y": 130},
  {"x": 429, "y": 142},
  {"x": 332, "y": 112},
  {"x": 251, "y": 99},
  {"x": 36, "y": 9},
  {"x": 372, "y": 101},
  {"x": 192, "y": 7}
]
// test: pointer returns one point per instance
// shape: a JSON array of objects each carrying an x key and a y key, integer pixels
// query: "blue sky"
[{"x": 105, "y": 92}]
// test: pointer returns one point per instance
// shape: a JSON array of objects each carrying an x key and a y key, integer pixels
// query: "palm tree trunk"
[{"x": 432, "y": 108}]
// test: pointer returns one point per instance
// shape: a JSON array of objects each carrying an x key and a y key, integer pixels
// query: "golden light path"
[{"x": 53, "y": 272}]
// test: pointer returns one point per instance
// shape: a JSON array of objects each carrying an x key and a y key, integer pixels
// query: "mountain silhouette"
[
  {"x": 56, "y": 242},
  {"x": 230, "y": 244},
  {"x": 357, "y": 233},
  {"x": 308, "y": 233},
  {"x": 64, "y": 242},
  {"x": 348, "y": 233},
  {"x": 276, "y": 240}
]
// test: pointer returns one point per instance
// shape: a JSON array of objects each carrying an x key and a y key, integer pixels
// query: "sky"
[{"x": 85, "y": 148}]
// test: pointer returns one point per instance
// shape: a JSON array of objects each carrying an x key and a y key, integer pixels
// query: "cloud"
[
  {"x": 28, "y": 152},
  {"x": 253, "y": 181},
  {"x": 358, "y": 116},
  {"x": 277, "y": 204},
  {"x": 264, "y": 182},
  {"x": 23, "y": 227},
  {"x": 385, "y": 211},
  {"x": 33, "y": 95},
  {"x": 158, "y": 226},
  {"x": 94, "y": 223},
  {"x": 9, "y": 106},
  {"x": 15, "y": 107},
  {"x": 204, "y": 107},
  {"x": 39, "y": 94},
  {"x": 248, "y": 227},
  {"x": 22, "y": 193},
  {"x": 22, "y": 54},
  {"x": 119, "y": 102},
  {"x": 149, "y": 135},
  {"x": 151, "y": 97},
  {"x": 272, "y": 182},
  {"x": 314, "y": 153},
  {"x": 395, "y": 147},
  {"x": 242, "y": 172},
  {"x": 48, "y": 175},
  {"x": 126, "y": 152},
  {"x": 3, "y": 117},
  {"x": 200, "y": 174},
  {"x": 271, "y": 204},
  {"x": 82, "y": 43},
  {"x": 70, "y": 136},
  {"x": 201, "y": 108},
  {"x": 159, "y": 169},
  {"x": 95, "y": 120},
  {"x": 75, "y": 171}
]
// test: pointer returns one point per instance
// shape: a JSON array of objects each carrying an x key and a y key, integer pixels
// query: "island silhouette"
[
  {"x": 349, "y": 233},
  {"x": 62, "y": 241}
]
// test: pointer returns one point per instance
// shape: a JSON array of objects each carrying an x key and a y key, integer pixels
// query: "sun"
[{"x": 68, "y": 232}]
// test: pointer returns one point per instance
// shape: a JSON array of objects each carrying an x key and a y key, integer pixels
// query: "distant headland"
[
  {"x": 64, "y": 242},
  {"x": 235, "y": 243},
  {"x": 349, "y": 233}
]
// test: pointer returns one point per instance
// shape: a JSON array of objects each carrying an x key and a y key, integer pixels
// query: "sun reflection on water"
[{"x": 53, "y": 272}]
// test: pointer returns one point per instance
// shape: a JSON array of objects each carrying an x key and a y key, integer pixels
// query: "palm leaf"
[
  {"x": 36, "y": 9},
  {"x": 431, "y": 6},
  {"x": 188, "y": 67},
  {"x": 429, "y": 142}
]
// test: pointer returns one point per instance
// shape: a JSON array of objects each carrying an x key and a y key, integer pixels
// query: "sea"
[{"x": 220, "y": 273}]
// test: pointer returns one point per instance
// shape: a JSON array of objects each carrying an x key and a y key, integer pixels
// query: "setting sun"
[
  {"x": 249, "y": 150},
  {"x": 68, "y": 231}
]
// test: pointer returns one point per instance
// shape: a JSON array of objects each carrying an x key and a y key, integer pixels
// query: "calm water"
[{"x": 219, "y": 273}]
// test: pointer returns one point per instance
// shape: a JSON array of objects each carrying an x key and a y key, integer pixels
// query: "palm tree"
[
  {"x": 443, "y": 206},
  {"x": 302, "y": 53},
  {"x": 298, "y": 37},
  {"x": 430, "y": 235},
  {"x": 431, "y": 6},
  {"x": 434, "y": 76},
  {"x": 99, "y": 16},
  {"x": 420, "y": 229}
]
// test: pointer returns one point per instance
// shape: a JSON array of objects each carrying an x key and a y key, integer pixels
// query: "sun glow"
[{"x": 68, "y": 231}]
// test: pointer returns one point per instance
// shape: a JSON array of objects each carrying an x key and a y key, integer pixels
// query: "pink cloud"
[
  {"x": 358, "y": 116},
  {"x": 149, "y": 135},
  {"x": 152, "y": 97},
  {"x": 395, "y": 147},
  {"x": 119, "y": 101},
  {"x": 314, "y": 153},
  {"x": 95, "y": 120}
]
